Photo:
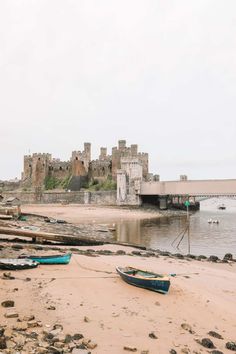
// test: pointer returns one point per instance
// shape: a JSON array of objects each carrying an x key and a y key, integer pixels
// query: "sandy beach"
[
  {"x": 88, "y": 297},
  {"x": 77, "y": 213}
]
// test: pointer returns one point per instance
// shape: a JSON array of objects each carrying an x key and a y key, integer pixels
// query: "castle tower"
[{"x": 103, "y": 153}]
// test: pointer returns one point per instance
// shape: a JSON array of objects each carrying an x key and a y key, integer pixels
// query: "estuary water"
[{"x": 205, "y": 238}]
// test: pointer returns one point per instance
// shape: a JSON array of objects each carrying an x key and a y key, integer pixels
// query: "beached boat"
[
  {"x": 17, "y": 264},
  {"x": 144, "y": 279},
  {"x": 50, "y": 259}
]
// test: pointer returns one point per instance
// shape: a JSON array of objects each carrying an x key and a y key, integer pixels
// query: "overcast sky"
[{"x": 158, "y": 73}]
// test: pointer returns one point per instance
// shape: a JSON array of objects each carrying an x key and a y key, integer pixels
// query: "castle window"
[
  {"x": 82, "y": 162},
  {"x": 76, "y": 158},
  {"x": 30, "y": 166},
  {"x": 60, "y": 168},
  {"x": 67, "y": 167},
  {"x": 38, "y": 158}
]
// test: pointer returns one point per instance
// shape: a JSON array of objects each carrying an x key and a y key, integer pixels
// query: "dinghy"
[
  {"x": 144, "y": 279},
  {"x": 50, "y": 259},
  {"x": 17, "y": 264}
]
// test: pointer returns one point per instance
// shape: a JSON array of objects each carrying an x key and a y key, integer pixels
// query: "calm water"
[{"x": 206, "y": 239}]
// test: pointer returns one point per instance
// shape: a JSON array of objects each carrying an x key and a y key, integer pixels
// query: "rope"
[{"x": 92, "y": 269}]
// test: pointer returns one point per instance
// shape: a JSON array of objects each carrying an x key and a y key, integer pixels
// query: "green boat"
[{"x": 50, "y": 259}]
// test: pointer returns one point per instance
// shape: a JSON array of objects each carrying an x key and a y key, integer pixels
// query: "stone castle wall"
[
  {"x": 80, "y": 197},
  {"x": 38, "y": 167}
]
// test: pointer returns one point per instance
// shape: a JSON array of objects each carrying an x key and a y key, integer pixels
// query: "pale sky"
[{"x": 158, "y": 73}]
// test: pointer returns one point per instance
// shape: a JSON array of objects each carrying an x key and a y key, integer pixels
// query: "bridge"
[{"x": 179, "y": 191}]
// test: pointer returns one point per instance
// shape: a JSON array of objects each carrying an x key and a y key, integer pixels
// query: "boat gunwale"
[
  {"x": 69, "y": 254},
  {"x": 158, "y": 278}
]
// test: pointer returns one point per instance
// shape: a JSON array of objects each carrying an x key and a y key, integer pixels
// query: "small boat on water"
[
  {"x": 144, "y": 279},
  {"x": 17, "y": 264},
  {"x": 213, "y": 221},
  {"x": 50, "y": 259},
  {"x": 221, "y": 207}
]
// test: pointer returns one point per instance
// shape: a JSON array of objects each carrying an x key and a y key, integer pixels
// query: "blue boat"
[
  {"x": 52, "y": 259},
  {"x": 144, "y": 279}
]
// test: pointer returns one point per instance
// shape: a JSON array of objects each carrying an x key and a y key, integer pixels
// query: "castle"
[{"x": 80, "y": 169}]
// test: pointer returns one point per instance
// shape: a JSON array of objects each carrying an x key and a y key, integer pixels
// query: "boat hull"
[
  {"x": 53, "y": 259},
  {"x": 159, "y": 285},
  {"x": 17, "y": 264}
]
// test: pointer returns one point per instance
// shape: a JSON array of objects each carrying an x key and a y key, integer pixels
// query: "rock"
[
  {"x": 3, "y": 343},
  {"x": 136, "y": 253},
  {"x": 80, "y": 351},
  {"x": 32, "y": 335},
  {"x": 120, "y": 252},
  {"x": 185, "y": 351},
  {"x": 178, "y": 255},
  {"x": 77, "y": 336},
  {"x": 53, "y": 350},
  {"x": 130, "y": 349},
  {"x": 215, "y": 334},
  {"x": 216, "y": 352},
  {"x": 28, "y": 318},
  {"x": 144, "y": 352},
  {"x": 2, "y": 330},
  {"x": 187, "y": 327},
  {"x": 86, "y": 319},
  {"x": 213, "y": 259},
  {"x": 8, "y": 303},
  {"x": 11, "y": 314},
  {"x": 51, "y": 307},
  {"x": 59, "y": 345},
  {"x": 152, "y": 335},
  {"x": 7, "y": 275},
  {"x": 19, "y": 340},
  {"x": 207, "y": 343},
  {"x": 191, "y": 256},
  {"x": 55, "y": 332},
  {"x": 20, "y": 327},
  {"x": 164, "y": 253},
  {"x": 172, "y": 351},
  {"x": 58, "y": 326},
  {"x": 231, "y": 345},
  {"x": 228, "y": 257},
  {"x": 33, "y": 323},
  {"x": 68, "y": 338},
  {"x": 199, "y": 258},
  {"x": 27, "y": 279},
  {"x": 91, "y": 345}
]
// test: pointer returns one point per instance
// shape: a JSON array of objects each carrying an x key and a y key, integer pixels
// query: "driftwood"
[{"x": 67, "y": 239}]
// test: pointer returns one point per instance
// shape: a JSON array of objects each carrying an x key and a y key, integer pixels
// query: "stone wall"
[{"x": 82, "y": 197}]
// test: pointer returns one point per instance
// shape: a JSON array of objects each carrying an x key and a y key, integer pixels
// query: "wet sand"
[{"x": 78, "y": 213}]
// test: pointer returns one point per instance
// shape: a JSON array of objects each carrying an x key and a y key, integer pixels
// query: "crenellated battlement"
[{"x": 38, "y": 166}]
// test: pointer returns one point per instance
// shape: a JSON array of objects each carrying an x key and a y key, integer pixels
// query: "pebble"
[
  {"x": 130, "y": 349},
  {"x": 215, "y": 334},
  {"x": 231, "y": 345},
  {"x": 152, "y": 335},
  {"x": 11, "y": 314},
  {"x": 207, "y": 343},
  {"x": 187, "y": 327},
  {"x": 8, "y": 303}
]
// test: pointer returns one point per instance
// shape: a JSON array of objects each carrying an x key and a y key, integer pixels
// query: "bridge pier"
[{"x": 163, "y": 202}]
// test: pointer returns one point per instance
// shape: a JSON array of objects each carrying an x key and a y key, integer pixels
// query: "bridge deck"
[{"x": 203, "y": 188}]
